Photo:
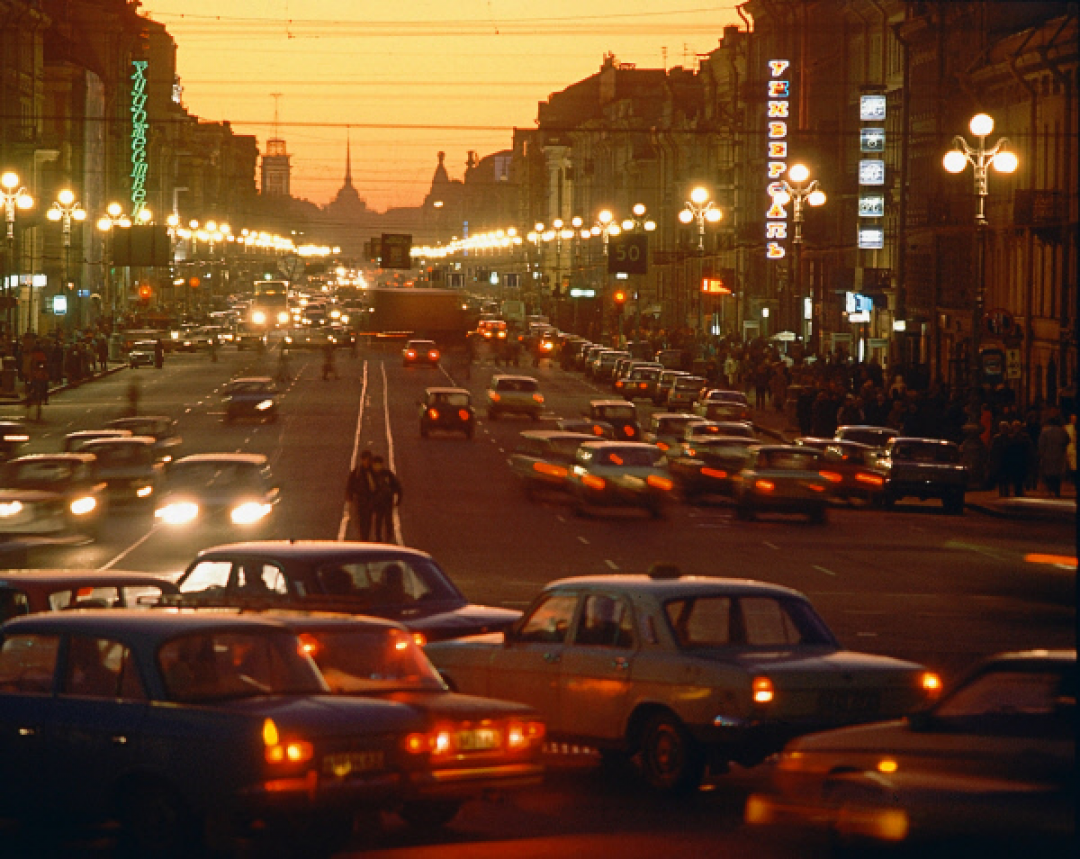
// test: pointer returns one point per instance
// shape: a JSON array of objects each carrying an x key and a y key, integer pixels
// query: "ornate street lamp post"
[
  {"x": 605, "y": 227},
  {"x": 636, "y": 222},
  {"x": 14, "y": 197},
  {"x": 115, "y": 216},
  {"x": 980, "y": 158},
  {"x": 699, "y": 208},
  {"x": 801, "y": 193},
  {"x": 65, "y": 210}
]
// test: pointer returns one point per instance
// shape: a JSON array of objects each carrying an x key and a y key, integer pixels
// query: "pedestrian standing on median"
[
  {"x": 360, "y": 495},
  {"x": 387, "y": 497},
  {"x": 1051, "y": 451}
]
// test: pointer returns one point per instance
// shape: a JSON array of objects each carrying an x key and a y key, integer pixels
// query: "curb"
[
  {"x": 21, "y": 401},
  {"x": 1057, "y": 513}
]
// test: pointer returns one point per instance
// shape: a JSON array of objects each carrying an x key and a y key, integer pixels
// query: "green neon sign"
[{"x": 139, "y": 127}]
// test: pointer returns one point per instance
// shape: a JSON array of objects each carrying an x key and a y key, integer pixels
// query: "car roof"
[
  {"x": 550, "y": 434},
  {"x": 500, "y": 376},
  {"x": 446, "y": 390},
  {"x": 310, "y": 549},
  {"x": 787, "y": 448},
  {"x": 608, "y": 444},
  {"x": 611, "y": 402},
  {"x": 78, "y": 577},
  {"x": 914, "y": 439},
  {"x": 100, "y": 433},
  {"x": 249, "y": 379},
  {"x": 41, "y": 457},
  {"x": 158, "y": 624},
  {"x": 145, "y": 440},
  {"x": 667, "y": 588},
  {"x": 248, "y": 458}
]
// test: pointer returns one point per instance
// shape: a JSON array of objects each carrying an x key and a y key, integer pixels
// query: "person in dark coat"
[
  {"x": 386, "y": 497},
  {"x": 1017, "y": 458},
  {"x": 998, "y": 444},
  {"x": 360, "y": 495}
]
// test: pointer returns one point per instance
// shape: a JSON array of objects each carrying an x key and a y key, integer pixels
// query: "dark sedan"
[
  {"x": 851, "y": 467},
  {"x": 159, "y": 427},
  {"x": 52, "y": 496},
  {"x": 447, "y": 409},
  {"x": 252, "y": 397},
  {"x": 30, "y": 591},
  {"x": 783, "y": 479},
  {"x": 543, "y": 459},
  {"x": 231, "y": 492},
  {"x": 130, "y": 467},
  {"x": 708, "y": 467},
  {"x": 356, "y": 578}
]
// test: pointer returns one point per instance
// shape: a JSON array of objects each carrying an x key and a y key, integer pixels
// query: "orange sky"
[{"x": 409, "y": 79}]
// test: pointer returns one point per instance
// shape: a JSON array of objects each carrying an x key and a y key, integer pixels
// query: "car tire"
[
  {"x": 670, "y": 759},
  {"x": 154, "y": 823},
  {"x": 888, "y": 500},
  {"x": 432, "y": 814}
]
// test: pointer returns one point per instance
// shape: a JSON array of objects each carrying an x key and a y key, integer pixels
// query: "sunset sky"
[{"x": 407, "y": 80}]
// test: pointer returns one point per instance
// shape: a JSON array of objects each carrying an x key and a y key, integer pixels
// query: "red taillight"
[
  {"x": 434, "y": 356},
  {"x": 663, "y": 445},
  {"x": 410, "y": 354},
  {"x": 870, "y": 479},
  {"x": 815, "y": 487},
  {"x": 597, "y": 430},
  {"x": 831, "y": 476},
  {"x": 549, "y": 469},
  {"x": 494, "y": 397},
  {"x": 464, "y": 415},
  {"x": 764, "y": 485},
  {"x": 538, "y": 397},
  {"x": 658, "y": 482},
  {"x": 713, "y": 472},
  {"x": 643, "y": 385},
  {"x": 763, "y": 690},
  {"x": 593, "y": 481},
  {"x": 630, "y": 432},
  {"x": 433, "y": 414}
]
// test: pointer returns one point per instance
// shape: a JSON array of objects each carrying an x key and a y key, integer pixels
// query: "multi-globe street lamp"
[
  {"x": 638, "y": 220},
  {"x": 14, "y": 197},
  {"x": 605, "y": 227},
  {"x": 980, "y": 158},
  {"x": 700, "y": 208},
  {"x": 801, "y": 193},
  {"x": 65, "y": 210}
]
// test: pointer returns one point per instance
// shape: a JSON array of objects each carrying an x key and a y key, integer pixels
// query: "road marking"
[
  {"x": 612, "y": 564},
  {"x": 127, "y": 551},
  {"x": 824, "y": 570},
  {"x": 586, "y": 542},
  {"x": 396, "y": 516},
  {"x": 771, "y": 545},
  {"x": 866, "y": 634},
  {"x": 343, "y": 527}
]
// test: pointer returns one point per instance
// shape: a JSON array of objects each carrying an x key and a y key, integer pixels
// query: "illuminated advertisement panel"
[{"x": 139, "y": 128}]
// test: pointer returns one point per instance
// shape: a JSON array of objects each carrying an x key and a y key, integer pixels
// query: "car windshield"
[
  {"x": 684, "y": 384},
  {"x": 392, "y": 582},
  {"x": 251, "y": 388},
  {"x": 746, "y": 621},
  {"x": 622, "y": 413},
  {"x": 928, "y": 453},
  {"x": 372, "y": 659},
  {"x": 109, "y": 454},
  {"x": 789, "y": 460},
  {"x": 214, "y": 665},
  {"x": 456, "y": 400},
  {"x": 874, "y": 437},
  {"x": 216, "y": 475},
  {"x": 50, "y": 471},
  {"x": 522, "y": 385}
]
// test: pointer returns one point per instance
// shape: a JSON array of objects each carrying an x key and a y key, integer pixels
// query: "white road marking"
[
  {"x": 127, "y": 551},
  {"x": 771, "y": 545},
  {"x": 343, "y": 527},
  {"x": 824, "y": 570},
  {"x": 583, "y": 540},
  {"x": 612, "y": 564},
  {"x": 866, "y": 634},
  {"x": 390, "y": 451}
]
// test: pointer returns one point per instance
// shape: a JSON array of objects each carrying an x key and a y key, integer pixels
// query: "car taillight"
[
  {"x": 434, "y": 356},
  {"x": 658, "y": 482},
  {"x": 643, "y": 385},
  {"x": 714, "y": 472},
  {"x": 464, "y": 415},
  {"x": 831, "y": 476},
  {"x": 764, "y": 485},
  {"x": 493, "y": 396},
  {"x": 630, "y": 432},
  {"x": 549, "y": 469},
  {"x": 433, "y": 414},
  {"x": 930, "y": 684},
  {"x": 870, "y": 479},
  {"x": 763, "y": 690},
  {"x": 597, "y": 430},
  {"x": 538, "y": 397},
  {"x": 410, "y": 354},
  {"x": 593, "y": 481},
  {"x": 277, "y": 750},
  {"x": 663, "y": 445},
  {"x": 521, "y": 735}
]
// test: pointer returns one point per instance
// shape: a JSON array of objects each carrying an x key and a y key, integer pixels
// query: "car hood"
[
  {"x": 14, "y": 494},
  {"x": 466, "y": 620},
  {"x": 216, "y": 498},
  {"x": 328, "y": 715},
  {"x": 451, "y": 705}
]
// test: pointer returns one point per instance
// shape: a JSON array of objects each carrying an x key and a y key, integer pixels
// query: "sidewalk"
[{"x": 20, "y": 399}]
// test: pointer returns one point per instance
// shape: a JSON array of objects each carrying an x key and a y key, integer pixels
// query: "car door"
[
  {"x": 528, "y": 667},
  {"x": 595, "y": 684}
]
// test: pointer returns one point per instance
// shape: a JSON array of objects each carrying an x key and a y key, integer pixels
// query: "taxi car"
[
  {"x": 351, "y": 577},
  {"x": 120, "y": 716},
  {"x": 477, "y": 745},
  {"x": 708, "y": 467},
  {"x": 543, "y": 458},
  {"x": 250, "y": 397},
  {"x": 30, "y": 591},
  {"x": 620, "y": 414},
  {"x": 783, "y": 479},
  {"x": 417, "y": 352},
  {"x": 993, "y": 762},
  {"x": 231, "y": 492},
  {"x": 129, "y": 467},
  {"x": 514, "y": 395},
  {"x": 52, "y": 496},
  {"x": 13, "y": 435},
  {"x": 161, "y": 428},
  {"x": 448, "y": 410},
  {"x": 680, "y": 672},
  {"x": 74, "y": 442},
  {"x": 619, "y": 474}
]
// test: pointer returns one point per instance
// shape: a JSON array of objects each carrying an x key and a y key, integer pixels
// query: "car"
[
  {"x": 492, "y": 329},
  {"x": 52, "y": 496},
  {"x": 694, "y": 433},
  {"x": 672, "y": 359},
  {"x": 248, "y": 337},
  {"x": 129, "y": 467},
  {"x": 621, "y": 368},
  {"x": 684, "y": 392},
  {"x": 417, "y": 352},
  {"x": 588, "y": 356},
  {"x": 481, "y": 745},
  {"x": 514, "y": 395},
  {"x": 596, "y": 429},
  {"x": 619, "y": 474},
  {"x": 142, "y": 353},
  {"x": 783, "y": 479},
  {"x": 852, "y": 468},
  {"x": 13, "y": 435},
  {"x": 230, "y": 492},
  {"x": 447, "y": 410},
  {"x": 159, "y": 427},
  {"x": 993, "y": 763},
  {"x": 680, "y": 672},
  {"x": 666, "y": 428},
  {"x": 603, "y": 366},
  {"x": 74, "y": 442},
  {"x": 708, "y": 467},
  {"x": 543, "y": 458},
  {"x": 351, "y": 577},
  {"x": 30, "y": 591},
  {"x": 923, "y": 468},
  {"x": 721, "y": 405},
  {"x": 664, "y": 383},
  {"x": 623, "y": 416},
  {"x": 640, "y": 383},
  {"x": 250, "y": 397},
  {"x": 877, "y": 437},
  {"x": 131, "y": 710}
]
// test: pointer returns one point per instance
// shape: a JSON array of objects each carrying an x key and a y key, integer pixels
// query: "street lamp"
[
  {"x": 638, "y": 221},
  {"x": 605, "y": 227},
  {"x": 13, "y": 197},
  {"x": 800, "y": 192},
  {"x": 65, "y": 209},
  {"x": 980, "y": 158},
  {"x": 700, "y": 208}
]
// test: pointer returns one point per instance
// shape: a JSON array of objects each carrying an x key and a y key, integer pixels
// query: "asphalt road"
[{"x": 916, "y": 584}]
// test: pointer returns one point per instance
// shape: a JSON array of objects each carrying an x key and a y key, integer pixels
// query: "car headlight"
[
  {"x": 283, "y": 317},
  {"x": 11, "y": 508},
  {"x": 179, "y": 513},
  {"x": 82, "y": 506},
  {"x": 258, "y": 317},
  {"x": 144, "y": 491},
  {"x": 264, "y": 405},
  {"x": 249, "y": 513}
]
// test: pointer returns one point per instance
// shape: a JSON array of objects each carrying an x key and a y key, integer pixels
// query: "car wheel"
[
  {"x": 154, "y": 823},
  {"x": 433, "y": 814},
  {"x": 888, "y": 500},
  {"x": 671, "y": 761}
]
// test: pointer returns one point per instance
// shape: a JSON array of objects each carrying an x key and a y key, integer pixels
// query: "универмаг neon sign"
[
  {"x": 139, "y": 126},
  {"x": 779, "y": 109}
]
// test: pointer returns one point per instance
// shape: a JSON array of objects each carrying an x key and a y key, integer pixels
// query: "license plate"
[
  {"x": 842, "y": 702},
  {"x": 478, "y": 740},
  {"x": 345, "y": 763}
]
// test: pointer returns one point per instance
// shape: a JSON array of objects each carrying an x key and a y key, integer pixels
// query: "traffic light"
[
  {"x": 620, "y": 298},
  {"x": 145, "y": 292}
]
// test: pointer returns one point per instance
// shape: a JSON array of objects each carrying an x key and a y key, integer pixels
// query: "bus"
[{"x": 270, "y": 305}]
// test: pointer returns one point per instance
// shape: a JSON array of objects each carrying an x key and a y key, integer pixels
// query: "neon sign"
[
  {"x": 139, "y": 126},
  {"x": 778, "y": 111}
]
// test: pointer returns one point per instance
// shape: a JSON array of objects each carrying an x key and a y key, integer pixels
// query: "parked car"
[
  {"x": 159, "y": 427},
  {"x": 623, "y": 416},
  {"x": 250, "y": 397},
  {"x": 664, "y": 384},
  {"x": 619, "y": 474},
  {"x": 603, "y": 366},
  {"x": 695, "y": 671},
  {"x": 721, "y": 405},
  {"x": 923, "y": 468},
  {"x": 226, "y": 493},
  {"x": 52, "y": 496},
  {"x": 640, "y": 383},
  {"x": 417, "y": 352},
  {"x": 121, "y": 715},
  {"x": 543, "y": 458},
  {"x": 684, "y": 392},
  {"x": 514, "y": 395},
  {"x": 993, "y": 763},
  {"x": 354, "y": 578},
  {"x": 129, "y": 467},
  {"x": 782, "y": 479},
  {"x": 447, "y": 410},
  {"x": 30, "y": 591}
]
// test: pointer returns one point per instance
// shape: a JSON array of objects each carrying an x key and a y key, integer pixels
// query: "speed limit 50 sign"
[{"x": 628, "y": 253}]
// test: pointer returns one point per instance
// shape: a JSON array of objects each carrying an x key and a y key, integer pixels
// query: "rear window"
[
  {"x": 931, "y": 453},
  {"x": 789, "y": 460},
  {"x": 684, "y": 384},
  {"x": 520, "y": 385},
  {"x": 749, "y": 621},
  {"x": 631, "y": 457}
]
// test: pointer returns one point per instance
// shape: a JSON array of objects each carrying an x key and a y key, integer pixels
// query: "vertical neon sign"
[
  {"x": 778, "y": 111},
  {"x": 139, "y": 127}
]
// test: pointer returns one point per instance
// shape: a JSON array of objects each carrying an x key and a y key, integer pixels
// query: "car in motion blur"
[
  {"x": 74, "y": 442},
  {"x": 355, "y": 578},
  {"x": 251, "y": 397},
  {"x": 923, "y": 468},
  {"x": 232, "y": 492},
  {"x": 994, "y": 759},
  {"x": 13, "y": 435},
  {"x": 475, "y": 745},
  {"x": 132, "y": 709},
  {"x": 30, "y": 591},
  {"x": 447, "y": 410},
  {"x": 708, "y": 467},
  {"x": 161, "y": 428},
  {"x": 52, "y": 496},
  {"x": 514, "y": 395},
  {"x": 420, "y": 352},
  {"x": 680, "y": 672},
  {"x": 543, "y": 458},
  {"x": 619, "y": 474},
  {"x": 130, "y": 468},
  {"x": 665, "y": 429},
  {"x": 783, "y": 479},
  {"x": 850, "y": 467}
]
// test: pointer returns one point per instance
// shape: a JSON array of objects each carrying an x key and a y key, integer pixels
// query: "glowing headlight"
[
  {"x": 144, "y": 491},
  {"x": 12, "y": 508},
  {"x": 283, "y": 317},
  {"x": 258, "y": 317},
  {"x": 180, "y": 513},
  {"x": 264, "y": 405},
  {"x": 82, "y": 506},
  {"x": 249, "y": 513}
]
